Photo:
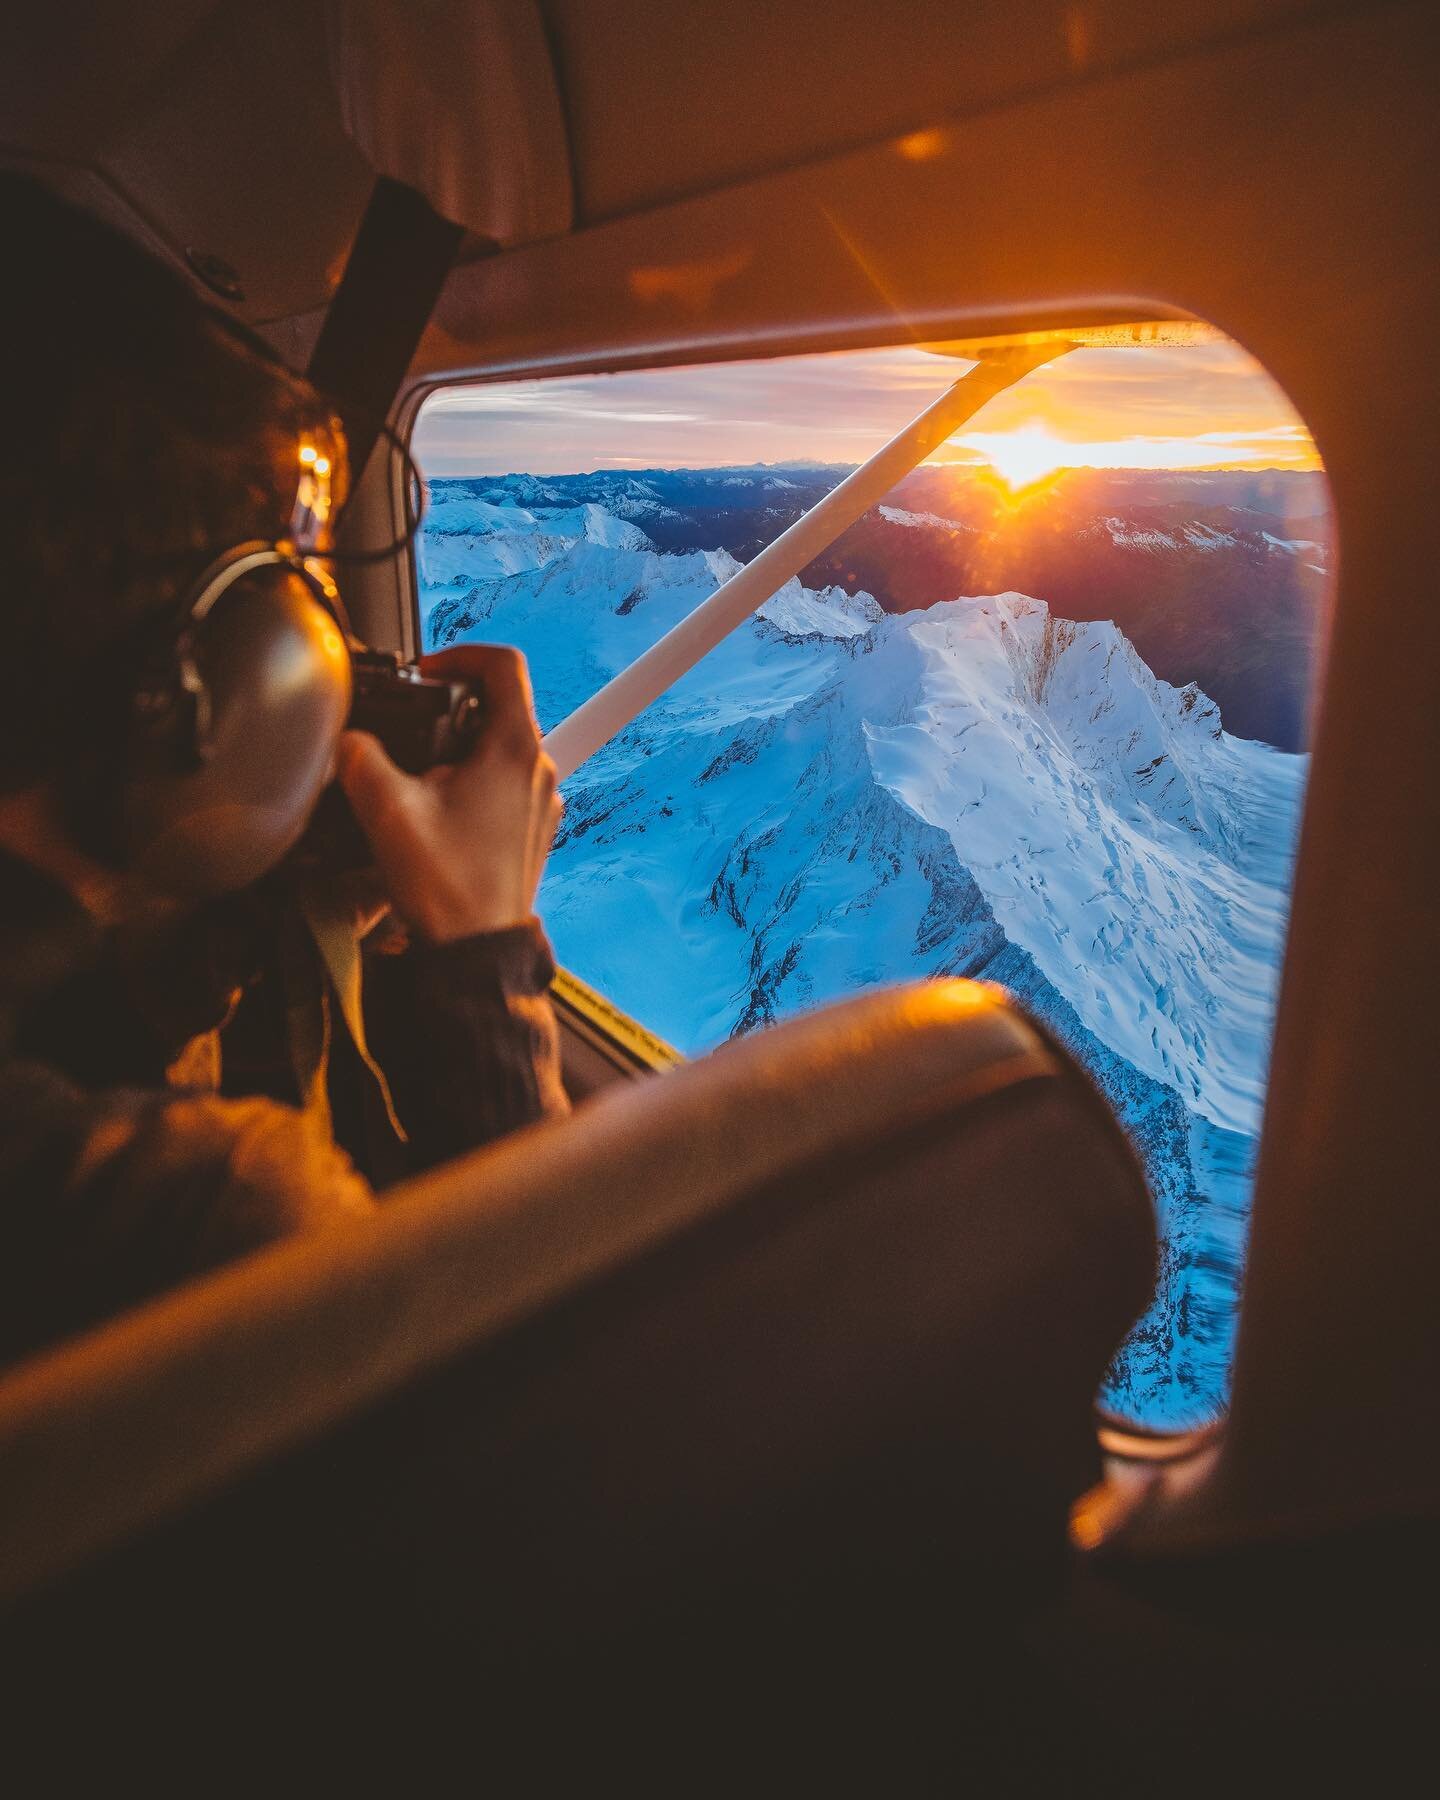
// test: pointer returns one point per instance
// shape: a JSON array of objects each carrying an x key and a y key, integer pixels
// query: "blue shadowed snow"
[{"x": 838, "y": 797}]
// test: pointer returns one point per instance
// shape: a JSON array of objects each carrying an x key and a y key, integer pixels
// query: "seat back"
[{"x": 819, "y": 1316}]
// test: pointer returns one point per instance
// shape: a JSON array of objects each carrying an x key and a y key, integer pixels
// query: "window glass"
[{"x": 1040, "y": 717}]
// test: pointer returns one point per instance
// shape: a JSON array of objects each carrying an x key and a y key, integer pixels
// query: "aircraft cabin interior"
[{"x": 969, "y": 1323}]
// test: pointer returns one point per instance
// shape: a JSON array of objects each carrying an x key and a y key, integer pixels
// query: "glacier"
[{"x": 839, "y": 796}]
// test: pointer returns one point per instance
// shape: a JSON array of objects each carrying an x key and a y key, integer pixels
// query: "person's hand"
[{"x": 460, "y": 848}]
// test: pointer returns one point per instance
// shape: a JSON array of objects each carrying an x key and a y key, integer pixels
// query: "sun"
[{"x": 1026, "y": 456}]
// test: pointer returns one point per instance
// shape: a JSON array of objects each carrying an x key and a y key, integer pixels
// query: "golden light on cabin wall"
[{"x": 921, "y": 146}]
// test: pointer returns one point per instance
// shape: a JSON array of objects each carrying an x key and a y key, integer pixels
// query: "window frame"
[{"x": 1123, "y": 1441}]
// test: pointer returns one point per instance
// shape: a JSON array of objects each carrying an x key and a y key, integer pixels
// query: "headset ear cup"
[{"x": 238, "y": 744}]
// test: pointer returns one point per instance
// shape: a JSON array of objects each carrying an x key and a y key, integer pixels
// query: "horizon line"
[{"x": 977, "y": 467}]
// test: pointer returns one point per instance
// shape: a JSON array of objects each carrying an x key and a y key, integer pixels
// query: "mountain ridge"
[
  {"x": 1244, "y": 623},
  {"x": 841, "y": 794}
]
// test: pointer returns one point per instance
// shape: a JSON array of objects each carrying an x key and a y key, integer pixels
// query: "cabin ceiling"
[
  {"x": 664, "y": 102},
  {"x": 252, "y": 131}
]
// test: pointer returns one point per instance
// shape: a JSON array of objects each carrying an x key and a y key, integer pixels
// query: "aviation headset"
[{"x": 238, "y": 700}]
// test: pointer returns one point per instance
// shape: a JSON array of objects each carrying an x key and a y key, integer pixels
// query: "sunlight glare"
[{"x": 1025, "y": 456}]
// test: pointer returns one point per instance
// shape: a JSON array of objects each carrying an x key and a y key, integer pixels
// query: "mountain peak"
[{"x": 841, "y": 794}]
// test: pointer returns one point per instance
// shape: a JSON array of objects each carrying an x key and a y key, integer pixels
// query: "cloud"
[
  {"x": 844, "y": 406},
  {"x": 481, "y": 402}
]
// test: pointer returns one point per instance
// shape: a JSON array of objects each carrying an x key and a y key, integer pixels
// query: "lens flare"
[{"x": 1025, "y": 457}]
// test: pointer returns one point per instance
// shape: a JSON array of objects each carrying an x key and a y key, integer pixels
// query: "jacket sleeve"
[
  {"x": 468, "y": 1039},
  {"x": 111, "y": 1198}
]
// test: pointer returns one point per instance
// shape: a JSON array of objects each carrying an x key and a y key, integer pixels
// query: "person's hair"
[{"x": 143, "y": 437}]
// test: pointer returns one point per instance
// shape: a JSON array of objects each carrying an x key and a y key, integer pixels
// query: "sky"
[{"x": 1201, "y": 406}]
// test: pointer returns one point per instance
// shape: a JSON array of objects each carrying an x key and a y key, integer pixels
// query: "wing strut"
[{"x": 591, "y": 726}]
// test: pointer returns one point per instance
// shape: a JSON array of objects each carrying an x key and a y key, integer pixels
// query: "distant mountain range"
[
  {"x": 850, "y": 790},
  {"x": 1215, "y": 577}
]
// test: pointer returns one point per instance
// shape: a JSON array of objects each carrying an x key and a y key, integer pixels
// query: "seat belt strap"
[{"x": 397, "y": 266}]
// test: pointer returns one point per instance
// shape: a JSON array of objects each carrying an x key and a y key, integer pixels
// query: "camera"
[{"x": 422, "y": 721}]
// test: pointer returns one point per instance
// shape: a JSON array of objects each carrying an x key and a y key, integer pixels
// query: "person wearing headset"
[{"x": 144, "y": 440}]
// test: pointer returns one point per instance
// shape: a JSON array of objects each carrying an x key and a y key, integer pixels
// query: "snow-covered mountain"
[
  {"x": 839, "y": 796},
  {"x": 1215, "y": 576}
]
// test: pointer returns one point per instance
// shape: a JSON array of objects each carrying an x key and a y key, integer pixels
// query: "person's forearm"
[{"x": 468, "y": 1039}]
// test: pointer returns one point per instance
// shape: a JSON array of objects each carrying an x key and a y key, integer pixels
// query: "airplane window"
[{"x": 1040, "y": 717}]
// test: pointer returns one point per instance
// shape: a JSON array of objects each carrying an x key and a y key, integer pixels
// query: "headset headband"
[
  {"x": 178, "y": 673},
  {"x": 240, "y": 560}
]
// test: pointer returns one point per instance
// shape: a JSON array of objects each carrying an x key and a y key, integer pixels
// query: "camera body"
[{"x": 420, "y": 720}]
